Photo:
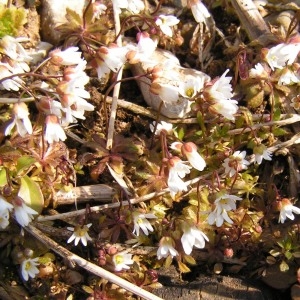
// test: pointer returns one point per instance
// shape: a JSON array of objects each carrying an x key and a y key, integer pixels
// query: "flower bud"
[
  {"x": 228, "y": 252},
  {"x": 28, "y": 252}
]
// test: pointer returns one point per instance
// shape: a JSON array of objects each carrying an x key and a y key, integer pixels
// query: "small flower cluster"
[
  {"x": 71, "y": 102},
  {"x": 178, "y": 169},
  {"x": 223, "y": 203},
  {"x": 14, "y": 60},
  {"x": 281, "y": 65},
  {"x": 192, "y": 237},
  {"x": 71, "y": 92}
]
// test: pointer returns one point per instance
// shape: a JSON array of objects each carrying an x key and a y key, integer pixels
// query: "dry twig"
[{"x": 98, "y": 271}]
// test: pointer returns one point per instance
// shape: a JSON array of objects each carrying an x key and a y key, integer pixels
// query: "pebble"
[{"x": 53, "y": 14}]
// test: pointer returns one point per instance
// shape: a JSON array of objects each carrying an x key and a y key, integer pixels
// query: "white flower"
[
  {"x": 98, "y": 9},
  {"x": 258, "y": 71},
  {"x": 195, "y": 159},
  {"x": 9, "y": 84},
  {"x": 261, "y": 152},
  {"x": 218, "y": 218},
  {"x": 140, "y": 222},
  {"x": 143, "y": 51},
  {"x": 168, "y": 127},
  {"x": 135, "y": 6},
  {"x": 191, "y": 86},
  {"x": 282, "y": 55},
  {"x": 219, "y": 94},
  {"x": 287, "y": 210},
  {"x": 54, "y": 132},
  {"x": 199, "y": 11},
  {"x": 80, "y": 233},
  {"x": 176, "y": 184},
  {"x": 23, "y": 213},
  {"x": 29, "y": 268},
  {"x": 176, "y": 146},
  {"x": 101, "y": 68},
  {"x": 226, "y": 108},
  {"x": 19, "y": 66},
  {"x": 191, "y": 237},
  {"x": 220, "y": 89},
  {"x": 20, "y": 119},
  {"x": 114, "y": 57},
  {"x": 288, "y": 77},
  {"x": 72, "y": 98},
  {"x": 167, "y": 92},
  {"x": 49, "y": 106},
  {"x": 177, "y": 170},
  {"x": 165, "y": 23},
  {"x": 235, "y": 163},
  {"x": 4, "y": 219},
  {"x": 223, "y": 204},
  {"x": 166, "y": 248},
  {"x": 4, "y": 205},
  {"x": 76, "y": 75},
  {"x": 118, "y": 4},
  {"x": 68, "y": 57},
  {"x": 122, "y": 260},
  {"x": 5, "y": 208},
  {"x": 13, "y": 49}
]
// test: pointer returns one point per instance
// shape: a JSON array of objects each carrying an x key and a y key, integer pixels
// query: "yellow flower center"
[
  {"x": 223, "y": 201},
  {"x": 28, "y": 265},
  {"x": 119, "y": 259},
  {"x": 189, "y": 92},
  {"x": 81, "y": 231}
]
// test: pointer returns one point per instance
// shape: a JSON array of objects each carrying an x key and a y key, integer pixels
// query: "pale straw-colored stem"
[
  {"x": 293, "y": 118},
  {"x": 15, "y": 100},
  {"x": 116, "y": 91}
]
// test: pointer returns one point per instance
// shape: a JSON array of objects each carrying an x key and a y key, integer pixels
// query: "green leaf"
[
  {"x": 3, "y": 178},
  {"x": 24, "y": 162},
  {"x": 180, "y": 133},
  {"x": 183, "y": 267},
  {"x": 279, "y": 131},
  {"x": 288, "y": 255},
  {"x": 168, "y": 261},
  {"x": 87, "y": 289},
  {"x": 73, "y": 17},
  {"x": 31, "y": 193},
  {"x": 190, "y": 260},
  {"x": 276, "y": 114},
  {"x": 47, "y": 258},
  {"x": 12, "y": 20}
]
